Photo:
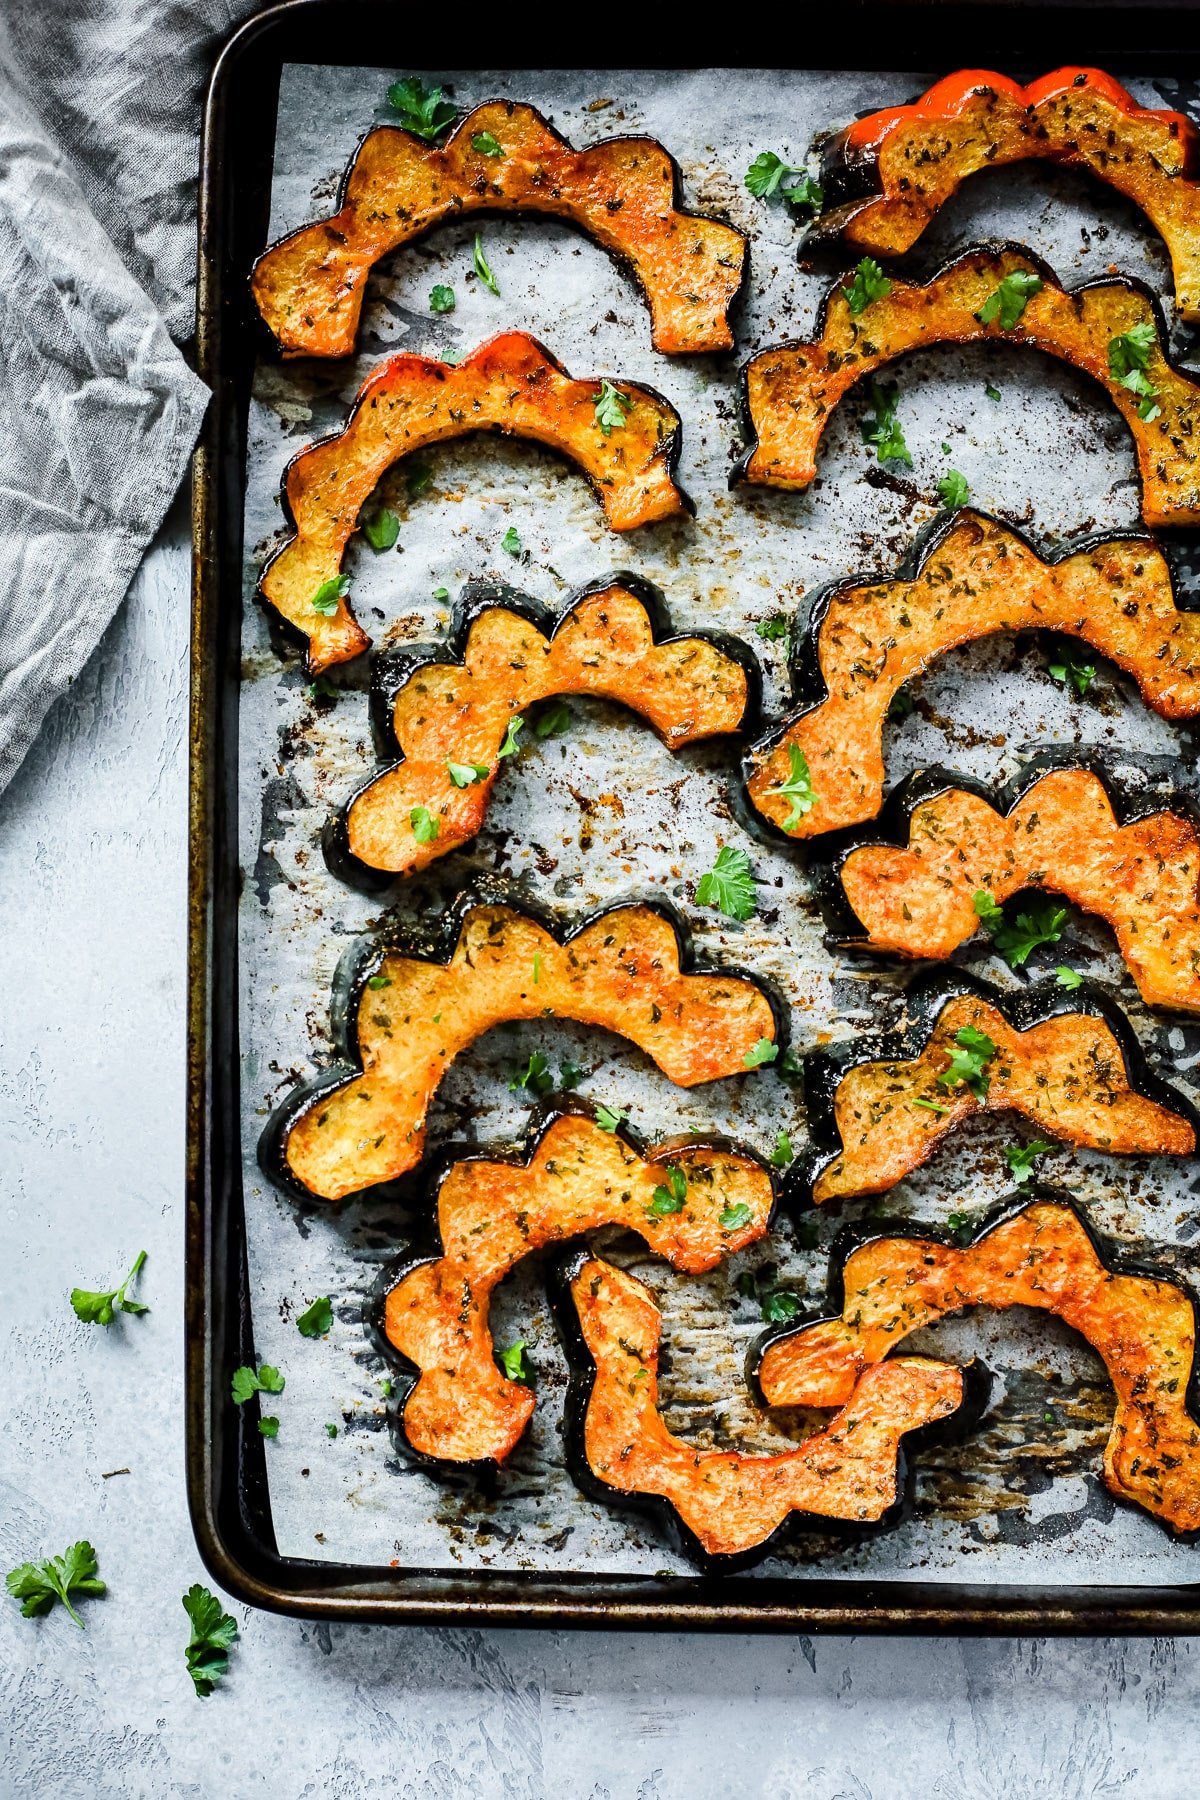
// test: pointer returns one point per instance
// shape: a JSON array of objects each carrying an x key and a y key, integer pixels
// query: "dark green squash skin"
[
  {"x": 845, "y": 930},
  {"x": 436, "y": 942},
  {"x": 854, "y": 1236},
  {"x": 392, "y": 669},
  {"x": 808, "y": 685},
  {"x": 268, "y": 343},
  {"x": 982, "y": 247},
  {"x": 426, "y": 1246},
  {"x": 976, "y": 1386},
  {"x": 924, "y": 1000}
]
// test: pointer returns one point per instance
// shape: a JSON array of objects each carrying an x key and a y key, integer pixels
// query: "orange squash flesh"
[
  {"x": 1061, "y": 836},
  {"x": 1143, "y": 1329},
  {"x": 920, "y": 154},
  {"x": 459, "y": 713},
  {"x": 620, "y": 973},
  {"x": 730, "y": 1502},
  {"x": 511, "y": 385},
  {"x": 976, "y": 580},
  {"x": 1067, "y": 1075},
  {"x": 309, "y": 288},
  {"x": 791, "y": 391},
  {"x": 492, "y": 1214}
]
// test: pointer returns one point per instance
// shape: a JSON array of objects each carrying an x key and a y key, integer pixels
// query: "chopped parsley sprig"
[
  {"x": 41, "y": 1585},
  {"x": 882, "y": 428},
  {"x": 1008, "y": 301},
  {"x": 1128, "y": 360},
  {"x": 798, "y": 788},
  {"x": 729, "y": 885},
  {"x": 425, "y": 112},
  {"x": 770, "y": 177},
  {"x": 868, "y": 285},
  {"x": 100, "y": 1308},
  {"x": 1041, "y": 922},
  {"x": 973, "y": 1050},
  {"x": 214, "y": 1632}
]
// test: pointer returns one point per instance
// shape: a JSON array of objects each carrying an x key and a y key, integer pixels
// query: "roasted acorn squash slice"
[
  {"x": 972, "y": 577},
  {"x": 448, "y": 716},
  {"x": 728, "y": 1504},
  {"x": 1069, "y": 1063},
  {"x": 887, "y": 175},
  {"x": 412, "y": 1015},
  {"x": 492, "y": 1212},
  {"x": 1143, "y": 1326},
  {"x": 624, "y": 193},
  {"x": 1061, "y": 834},
  {"x": 511, "y": 385},
  {"x": 790, "y": 391}
]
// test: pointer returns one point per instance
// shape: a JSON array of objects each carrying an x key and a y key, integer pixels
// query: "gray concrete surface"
[{"x": 92, "y": 876}]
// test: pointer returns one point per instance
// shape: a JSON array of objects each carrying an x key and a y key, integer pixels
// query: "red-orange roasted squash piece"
[
  {"x": 791, "y": 391},
  {"x": 491, "y": 1214},
  {"x": 511, "y": 385},
  {"x": 899, "y": 166},
  {"x": 458, "y": 713},
  {"x": 731, "y": 1503},
  {"x": 621, "y": 973},
  {"x": 974, "y": 577},
  {"x": 623, "y": 192},
  {"x": 1143, "y": 1328},
  {"x": 1063, "y": 836}
]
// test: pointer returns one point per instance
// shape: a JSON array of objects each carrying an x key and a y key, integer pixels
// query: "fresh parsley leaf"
[
  {"x": 734, "y": 1217},
  {"x": 535, "y": 1078},
  {"x": 214, "y": 1633},
  {"x": 608, "y": 1118},
  {"x": 441, "y": 593},
  {"x": 669, "y": 1199},
  {"x": 1068, "y": 978},
  {"x": 552, "y": 721},
  {"x": 321, "y": 688},
  {"x": 387, "y": 1387},
  {"x": 486, "y": 144},
  {"x": 993, "y": 393},
  {"x": 481, "y": 267},
  {"x": 1068, "y": 669},
  {"x": 452, "y": 358},
  {"x": 424, "y": 825},
  {"x": 331, "y": 1431},
  {"x": 931, "y": 1106},
  {"x": 779, "y": 1306},
  {"x": 424, "y": 111},
  {"x": 611, "y": 407},
  {"x": 953, "y": 490},
  {"x": 973, "y": 1051},
  {"x": 39, "y": 1585},
  {"x": 325, "y": 600},
  {"x": 441, "y": 298},
  {"x": 1021, "y": 1158},
  {"x": 782, "y": 1154},
  {"x": 379, "y": 981},
  {"x": 100, "y": 1308},
  {"x": 869, "y": 284},
  {"x": 959, "y": 1224},
  {"x": 1128, "y": 360},
  {"x": 315, "y": 1322},
  {"x": 268, "y": 1427},
  {"x": 511, "y": 541},
  {"x": 882, "y": 428},
  {"x": 1041, "y": 924},
  {"x": 763, "y": 1052},
  {"x": 570, "y": 1075},
  {"x": 729, "y": 885},
  {"x": 774, "y": 628},
  {"x": 466, "y": 774},
  {"x": 381, "y": 530},
  {"x": 1008, "y": 301},
  {"x": 419, "y": 478},
  {"x": 901, "y": 704},
  {"x": 514, "y": 1362},
  {"x": 798, "y": 788},
  {"x": 510, "y": 746},
  {"x": 767, "y": 176},
  {"x": 789, "y": 1064},
  {"x": 247, "y": 1382}
]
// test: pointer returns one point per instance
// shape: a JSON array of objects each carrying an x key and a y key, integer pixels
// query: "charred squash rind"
[
  {"x": 690, "y": 686},
  {"x": 968, "y": 576},
  {"x": 1151, "y": 1117},
  {"x": 690, "y": 267},
  {"x": 1133, "y": 824},
  {"x": 727, "y": 1014},
  {"x": 790, "y": 391},
  {"x": 511, "y": 385},
  {"x": 793, "y": 1489},
  {"x": 1010, "y": 1260},
  {"x": 430, "y": 1318},
  {"x": 886, "y": 176}
]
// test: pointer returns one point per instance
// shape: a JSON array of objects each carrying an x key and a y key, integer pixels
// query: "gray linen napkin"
[{"x": 99, "y": 111}]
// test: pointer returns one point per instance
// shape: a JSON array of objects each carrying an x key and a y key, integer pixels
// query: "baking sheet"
[{"x": 606, "y": 813}]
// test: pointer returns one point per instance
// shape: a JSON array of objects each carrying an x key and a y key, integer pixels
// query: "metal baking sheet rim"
[{"x": 225, "y": 1464}]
